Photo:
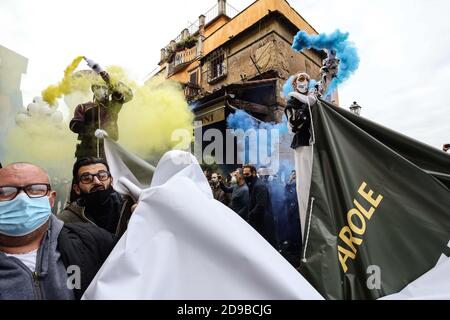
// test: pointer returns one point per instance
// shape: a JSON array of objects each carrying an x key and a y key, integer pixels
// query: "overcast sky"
[{"x": 404, "y": 45}]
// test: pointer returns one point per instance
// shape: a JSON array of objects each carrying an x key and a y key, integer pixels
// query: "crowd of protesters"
[{"x": 268, "y": 204}]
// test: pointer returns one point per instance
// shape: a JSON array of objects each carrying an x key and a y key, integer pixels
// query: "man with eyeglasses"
[
  {"x": 98, "y": 203},
  {"x": 37, "y": 250}
]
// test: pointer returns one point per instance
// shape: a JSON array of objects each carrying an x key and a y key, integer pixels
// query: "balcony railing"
[
  {"x": 210, "y": 15},
  {"x": 183, "y": 57},
  {"x": 186, "y": 55},
  {"x": 193, "y": 28}
]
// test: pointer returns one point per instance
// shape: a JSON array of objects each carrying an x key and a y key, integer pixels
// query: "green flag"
[{"x": 378, "y": 212}]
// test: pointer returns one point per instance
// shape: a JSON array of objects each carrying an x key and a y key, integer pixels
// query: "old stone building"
[{"x": 231, "y": 60}]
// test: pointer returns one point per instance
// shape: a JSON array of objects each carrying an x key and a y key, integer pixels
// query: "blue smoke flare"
[{"x": 345, "y": 51}]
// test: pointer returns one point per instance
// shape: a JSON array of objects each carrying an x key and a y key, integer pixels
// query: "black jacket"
[
  {"x": 239, "y": 199},
  {"x": 90, "y": 116},
  {"x": 113, "y": 216},
  {"x": 87, "y": 246},
  {"x": 260, "y": 214},
  {"x": 302, "y": 134}
]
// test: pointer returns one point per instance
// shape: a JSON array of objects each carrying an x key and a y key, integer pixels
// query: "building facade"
[
  {"x": 231, "y": 60},
  {"x": 12, "y": 66}
]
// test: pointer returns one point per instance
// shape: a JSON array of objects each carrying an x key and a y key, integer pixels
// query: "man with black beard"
[{"x": 97, "y": 203}]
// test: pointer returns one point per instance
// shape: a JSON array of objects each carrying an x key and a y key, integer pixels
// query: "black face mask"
[
  {"x": 248, "y": 179},
  {"x": 102, "y": 208},
  {"x": 98, "y": 198}
]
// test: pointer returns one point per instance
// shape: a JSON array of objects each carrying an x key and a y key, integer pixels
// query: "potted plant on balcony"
[{"x": 187, "y": 43}]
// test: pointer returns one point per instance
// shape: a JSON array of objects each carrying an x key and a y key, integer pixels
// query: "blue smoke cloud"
[
  {"x": 287, "y": 87},
  {"x": 345, "y": 50},
  {"x": 242, "y": 120}
]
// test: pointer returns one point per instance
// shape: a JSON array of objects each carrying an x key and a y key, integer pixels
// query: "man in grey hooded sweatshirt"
[{"x": 40, "y": 257}]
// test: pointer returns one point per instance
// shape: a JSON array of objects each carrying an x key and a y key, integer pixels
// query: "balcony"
[
  {"x": 193, "y": 30},
  {"x": 183, "y": 58},
  {"x": 220, "y": 8},
  {"x": 210, "y": 15}
]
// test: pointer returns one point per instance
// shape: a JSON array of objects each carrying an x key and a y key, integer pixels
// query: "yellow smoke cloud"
[
  {"x": 148, "y": 122},
  {"x": 45, "y": 140},
  {"x": 41, "y": 137},
  {"x": 53, "y": 92},
  {"x": 50, "y": 147}
]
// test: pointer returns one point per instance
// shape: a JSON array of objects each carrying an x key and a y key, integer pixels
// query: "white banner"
[{"x": 183, "y": 244}]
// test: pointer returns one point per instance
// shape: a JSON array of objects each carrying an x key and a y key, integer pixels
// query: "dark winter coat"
[
  {"x": 303, "y": 134},
  {"x": 219, "y": 195},
  {"x": 260, "y": 214},
  {"x": 116, "y": 214},
  {"x": 91, "y": 116},
  {"x": 240, "y": 199},
  {"x": 86, "y": 246}
]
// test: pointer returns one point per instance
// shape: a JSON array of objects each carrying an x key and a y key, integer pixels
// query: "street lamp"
[{"x": 355, "y": 108}]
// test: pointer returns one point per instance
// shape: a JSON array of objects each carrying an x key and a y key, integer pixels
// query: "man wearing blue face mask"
[{"x": 40, "y": 257}]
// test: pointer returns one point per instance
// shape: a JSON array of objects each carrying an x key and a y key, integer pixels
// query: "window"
[
  {"x": 193, "y": 77},
  {"x": 192, "y": 88},
  {"x": 217, "y": 67}
]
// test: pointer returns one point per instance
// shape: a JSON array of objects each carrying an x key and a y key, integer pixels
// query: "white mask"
[
  {"x": 101, "y": 94},
  {"x": 302, "y": 87},
  {"x": 233, "y": 180}
]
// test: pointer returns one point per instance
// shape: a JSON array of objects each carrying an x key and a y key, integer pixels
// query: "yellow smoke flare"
[{"x": 54, "y": 92}]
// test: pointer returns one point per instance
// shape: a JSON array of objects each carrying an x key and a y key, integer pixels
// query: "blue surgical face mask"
[{"x": 23, "y": 215}]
